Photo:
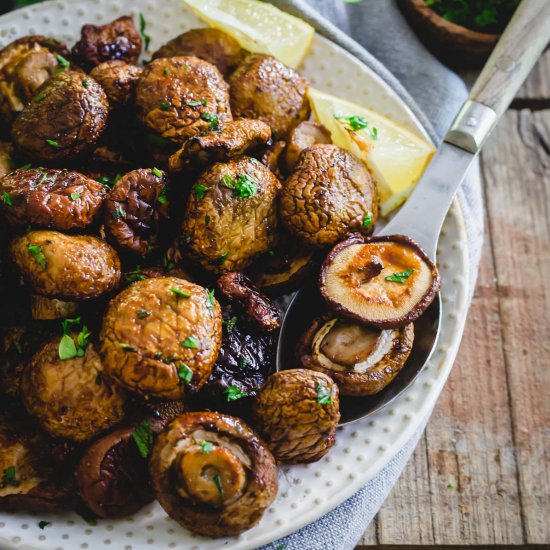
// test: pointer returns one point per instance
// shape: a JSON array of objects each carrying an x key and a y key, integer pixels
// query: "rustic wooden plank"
[
  {"x": 517, "y": 167},
  {"x": 537, "y": 86}
]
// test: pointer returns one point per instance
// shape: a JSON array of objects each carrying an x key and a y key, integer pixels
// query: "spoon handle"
[{"x": 516, "y": 52}]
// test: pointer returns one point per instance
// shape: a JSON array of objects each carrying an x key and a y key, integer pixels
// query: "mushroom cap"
[
  {"x": 66, "y": 122},
  {"x": 328, "y": 195},
  {"x": 67, "y": 267},
  {"x": 72, "y": 398},
  {"x": 118, "y": 79},
  {"x": 297, "y": 412},
  {"x": 51, "y": 198},
  {"x": 306, "y": 134},
  {"x": 386, "y": 282},
  {"x": 212, "y": 45},
  {"x": 153, "y": 334},
  {"x": 167, "y": 94},
  {"x": 112, "y": 476},
  {"x": 262, "y": 87},
  {"x": 218, "y": 491},
  {"x": 362, "y": 360},
  {"x": 225, "y": 231}
]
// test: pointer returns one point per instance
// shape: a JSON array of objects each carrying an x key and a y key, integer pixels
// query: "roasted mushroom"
[
  {"x": 212, "y": 45},
  {"x": 262, "y": 87},
  {"x": 117, "y": 40},
  {"x": 161, "y": 337},
  {"x": 362, "y": 360},
  {"x": 179, "y": 97},
  {"x": 35, "y": 470},
  {"x": 297, "y": 412},
  {"x": 387, "y": 282},
  {"x": 329, "y": 195},
  {"x": 233, "y": 139},
  {"x": 65, "y": 389},
  {"x": 231, "y": 215},
  {"x": 66, "y": 121},
  {"x": 212, "y": 474},
  {"x": 6, "y": 159},
  {"x": 51, "y": 198},
  {"x": 118, "y": 79},
  {"x": 25, "y": 65},
  {"x": 112, "y": 477},
  {"x": 47, "y": 309},
  {"x": 305, "y": 135},
  {"x": 272, "y": 157},
  {"x": 135, "y": 209},
  {"x": 67, "y": 267}
]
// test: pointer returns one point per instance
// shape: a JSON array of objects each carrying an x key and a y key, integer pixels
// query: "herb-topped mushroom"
[
  {"x": 212, "y": 474},
  {"x": 118, "y": 79}
]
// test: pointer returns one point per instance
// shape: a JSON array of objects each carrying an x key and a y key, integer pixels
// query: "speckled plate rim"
[{"x": 425, "y": 388}]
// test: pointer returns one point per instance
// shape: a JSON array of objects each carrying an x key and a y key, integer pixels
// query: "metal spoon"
[{"x": 423, "y": 214}]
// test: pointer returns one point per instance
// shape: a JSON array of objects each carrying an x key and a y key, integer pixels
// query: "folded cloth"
[{"x": 383, "y": 41}]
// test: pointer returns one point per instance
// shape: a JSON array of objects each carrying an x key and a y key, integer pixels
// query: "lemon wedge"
[
  {"x": 395, "y": 156},
  {"x": 259, "y": 27}
]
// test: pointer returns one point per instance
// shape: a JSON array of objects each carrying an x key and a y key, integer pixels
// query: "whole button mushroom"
[
  {"x": 297, "y": 412},
  {"x": 161, "y": 337},
  {"x": 66, "y": 267},
  {"x": 262, "y": 87},
  {"x": 118, "y": 79},
  {"x": 66, "y": 390},
  {"x": 64, "y": 200},
  {"x": 212, "y": 474},
  {"x": 65, "y": 121},
  {"x": 329, "y": 195},
  {"x": 231, "y": 215}
]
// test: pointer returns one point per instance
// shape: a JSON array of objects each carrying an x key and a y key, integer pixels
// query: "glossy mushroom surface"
[
  {"x": 118, "y": 79},
  {"x": 212, "y": 474},
  {"x": 306, "y": 134},
  {"x": 386, "y": 282}
]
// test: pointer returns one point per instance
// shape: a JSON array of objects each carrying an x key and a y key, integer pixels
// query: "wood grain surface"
[{"x": 481, "y": 473}]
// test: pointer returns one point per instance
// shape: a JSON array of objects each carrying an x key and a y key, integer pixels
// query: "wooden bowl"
[{"x": 452, "y": 43}]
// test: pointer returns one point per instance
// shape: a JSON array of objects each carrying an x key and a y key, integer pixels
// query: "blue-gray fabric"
[{"x": 376, "y": 32}]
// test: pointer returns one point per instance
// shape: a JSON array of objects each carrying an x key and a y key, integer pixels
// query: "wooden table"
[{"x": 480, "y": 475}]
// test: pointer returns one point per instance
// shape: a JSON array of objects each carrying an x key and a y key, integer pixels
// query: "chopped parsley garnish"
[
  {"x": 284, "y": 545},
  {"x": 119, "y": 212},
  {"x": 142, "y": 28},
  {"x": 166, "y": 71},
  {"x": 38, "y": 255},
  {"x": 85, "y": 83},
  {"x": 243, "y": 363},
  {"x": 167, "y": 265},
  {"x": 185, "y": 373},
  {"x": 8, "y": 477},
  {"x": 196, "y": 103},
  {"x": 158, "y": 141},
  {"x": 450, "y": 486},
  {"x": 68, "y": 349},
  {"x": 67, "y": 324},
  {"x": 127, "y": 347},
  {"x": 43, "y": 524},
  {"x": 108, "y": 182},
  {"x": 400, "y": 277},
  {"x": 75, "y": 196},
  {"x": 53, "y": 143},
  {"x": 158, "y": 355},
  {"x": 324, "y": 396},
  {"x": 210, "y": 118},
  {"x": 42, "y": 179},
  {"x": 356, "y": 122},
  {"x": 142, "y": 313},
  {"x": 206, "y": 447},
  {"x": 17, "y": 345},
  {"x": 207, "y": 219},
  {"x": 221, "y": 258},
  {"x": 230, "y": 324},
  {"x": 163, "y": 197},
  {"x": 62, "y": 61},
  {"x": 218, "y": 482},
  {"x": 143, "y": 437},
  {"x": 243, "y": 185},
  {"x": 6, "y": 199},
  {"x": 234, "y": 394},
  {"x": 191, "y": 342},
  {"x": 39, "y": 97},
  {"x": 210, "y": 299},
  {"x": 157, "y": 172},
  {"x": 165, "y": 106},
  {"x": 367, "y": 220},
  {"x": 25, "y": 166},
  {"x": 200, "y": 190},
  {"x": 135, "y": 275},
  {"x": 179, "y": 292}
]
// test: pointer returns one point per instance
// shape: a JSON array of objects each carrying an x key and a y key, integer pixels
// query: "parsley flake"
[
  {"x": 367, "y": 220},
  {"x": 210, "y": 299},
  {"x": 206, "y": 447},
  {"x": 157, "y": 172},
  {"x": 163, "y": 197},
  {"x": 119, "y": 212},
  {"x": 166, "y": 71},
  {"x": 191, "y": 342},
  {"x": 8, "y": 477},
  {"x": 185, "y": 373},
  {"x": 75, "y": 196},
  {"x": 218, "y": 482},
  {"x": 243, "y": 185},
  {"x": 43, "y": 524},
  {"x": 400, "y": 277},
  {"x": 165, "y": 106},
  {"x": 233, "y": 393},
  {"x": 200, "y": 190},
  {"x": 62, "y": 61},
  {"x": 135, "y": 275},
  {"x": 126, "y": 347},
  {"x": 196, "y": 103},
  {"x": 6, "y": 199},
  {"x": 356, "y": 122},
  {"x": 179, "y": 292},
  {"x": 230, "y": 324},
  {"x": 66, "y": 324},
  {"x": 324, "y": 396},
  {"x": 221, "y": 258},
  {"x": 214, "y": 122},
  {"x": 142, "y": 28},
  {"x": 39, "y": 97},
  {"x": 143, "y": 437},
  {"x": 85, "y": 83},
  {"x": 53, "y": 143},
  {"x": 38, "y": 255},
  {"x": 142, "y": 313}
]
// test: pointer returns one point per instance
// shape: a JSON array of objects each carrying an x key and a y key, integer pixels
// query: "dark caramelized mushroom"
[
  {"x": 46, "y": 309},
  {"x": 67, "y": 122},
  {"x": 297, "y": 412},
  {"x": 118, "y": 40},
  {"x": 51, "y": 198},
  {"x": 161, "y": 337},
  {"x": 135, "y": 209},
  {"x": 272, "y": 157},
  {"x": 329, "y": 195},
  {"x": 233, "y": 139},
  {"x": 362, "y": 360},
  {"x": 67, "y": 267},
  {"x": 305, "y": 135},
  {"x": 212, "y": 474},
  {"x": 6, "y": 158},
  {"x": 212, "y": 45},
  {"x": 118, "y": 79},
  {"x": 387, "y": 282}
]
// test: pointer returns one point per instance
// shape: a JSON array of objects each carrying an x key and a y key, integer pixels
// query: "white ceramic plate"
[{"x": 307, "y": 491}]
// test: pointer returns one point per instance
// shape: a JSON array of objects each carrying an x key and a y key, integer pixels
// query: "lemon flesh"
[
  {"x": 259, "y": 27},
  {"x": 395, "y": 156}
]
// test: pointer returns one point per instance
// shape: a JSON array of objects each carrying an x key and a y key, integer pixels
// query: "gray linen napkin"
[{"x": 384, "y": 42}]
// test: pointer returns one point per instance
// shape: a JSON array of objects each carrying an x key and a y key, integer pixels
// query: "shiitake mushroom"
[
  {"x": 306, "y": 134},
  {"x": 387, "y": 282}
]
